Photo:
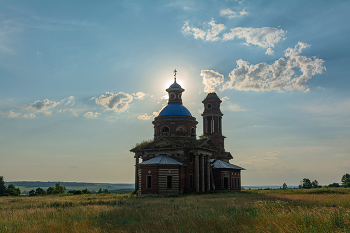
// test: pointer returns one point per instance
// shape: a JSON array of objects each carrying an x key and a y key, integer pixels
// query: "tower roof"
[
  {"x": 212, "y": 96},
  {"x": 162, "y": 159},
  {"x": 176, "y": 109}
]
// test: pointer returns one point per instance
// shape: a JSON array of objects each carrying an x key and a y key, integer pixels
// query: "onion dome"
[
  {"x": 175, "y": 85},
  {"x": 175, "y": 109}
]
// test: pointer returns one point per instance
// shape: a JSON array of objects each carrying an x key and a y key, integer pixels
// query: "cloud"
[
  {"x": 117, "y": 102},
  {"x": 209, "y": 35},
  {"x": 69, "y": 100},
  {"x": 145, "y": 117},
  {"x": 230, "y": 106},
  {"x": 39, "y": 53},
  {"x": 41, "y": 106},
  {"x": 12, "y": 114},
  {"x": 285, "y": 74},
  {"x": 29, "y": 116},
  {"x": 91, "y": 114},
  {"x": 269, "y": 51},
  {"x": 265, "y": 37},
  {"x": 211, "y": 79},
  {"x": 214, "y": 31},
  {"x": 139, "y": 95},
  {"x": 232, "y": 14}
]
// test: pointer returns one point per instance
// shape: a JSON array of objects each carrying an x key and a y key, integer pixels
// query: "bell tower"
[{"x": 212, "y": 121}]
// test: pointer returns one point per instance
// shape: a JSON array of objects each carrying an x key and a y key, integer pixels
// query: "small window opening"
[
  {"x": 233, "y": 183},
  {"x": 191, "y": 159},
  {"x": 193, "y": 132},
  {"x": 225, "y": 182},
  {"x": 209, "y": 106},
  {"x": 149, "y": 182},
  {"x": 169, "y": 182}
]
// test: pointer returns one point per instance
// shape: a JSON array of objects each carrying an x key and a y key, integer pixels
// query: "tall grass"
[{"x": 248, "y": 211}]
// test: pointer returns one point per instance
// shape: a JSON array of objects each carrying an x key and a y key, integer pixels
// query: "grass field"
[{"x": 246, "y": 211}]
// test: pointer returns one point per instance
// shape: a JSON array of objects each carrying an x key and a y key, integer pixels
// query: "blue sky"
[{"x": 82, "y": 80}]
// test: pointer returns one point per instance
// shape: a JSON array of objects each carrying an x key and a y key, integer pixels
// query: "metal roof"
[
  {"x": 175, "y": 85},
  {"x": 162, "y": 159},
  {"x": 176, "y": 109},
  {"x": 222, "y": 164}
]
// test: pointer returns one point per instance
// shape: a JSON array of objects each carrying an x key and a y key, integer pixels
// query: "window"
[
  {"x": 236, "y": 183},
  {"x": 193, "y": 132},
  {"x": 233, "y": 183},
  {"x": 191, "y": 159},
  {"x": 169, "y": 182},
  {"x": 165, "y": 130},
  {"x": 225, "y": 182},
  {"x": 149, "y": 182},
  {"x": 209, "y": 106},
  {"x": 191, "y": 181}
]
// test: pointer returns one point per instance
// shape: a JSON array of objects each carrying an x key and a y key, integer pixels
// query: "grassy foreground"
[{"x": 246, "y": 211}]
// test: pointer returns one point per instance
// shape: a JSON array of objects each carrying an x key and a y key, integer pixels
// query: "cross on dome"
[{"x": 175, "y": 71}]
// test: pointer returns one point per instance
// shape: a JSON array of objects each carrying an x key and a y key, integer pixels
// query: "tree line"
[
  {"x": 308, "y": 184},
  {"x": 9, "y": 190}
]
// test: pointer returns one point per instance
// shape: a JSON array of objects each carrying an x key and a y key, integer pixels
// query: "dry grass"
[{"x": 248, "y": 211}]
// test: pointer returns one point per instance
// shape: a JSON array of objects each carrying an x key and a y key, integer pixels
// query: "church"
[{"x": 176, "y": 162}]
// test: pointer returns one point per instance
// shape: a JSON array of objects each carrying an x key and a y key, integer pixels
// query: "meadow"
[{"x": 291, "y": 210}]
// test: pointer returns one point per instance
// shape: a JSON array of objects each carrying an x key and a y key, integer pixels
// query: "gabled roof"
[
  {"x": 216, "y": 163},
  {"x": 162, "y": 159}
]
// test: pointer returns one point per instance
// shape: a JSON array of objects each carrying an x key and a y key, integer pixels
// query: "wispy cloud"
[
  {"x": 210, "y": 34},
  {"x": 228, "y": 105},
  {"x": 232, "y": 14},
  {"x": 265, "y": 37},
  {"x": 91, "y": 114}
]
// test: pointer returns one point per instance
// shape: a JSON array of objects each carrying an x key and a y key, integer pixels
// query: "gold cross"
[{"x": 175, "y": 71}]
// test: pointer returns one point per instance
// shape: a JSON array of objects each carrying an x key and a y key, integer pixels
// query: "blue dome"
[
  {"x": 175, "y": 109},
  {"x": 175, "y": 85}
]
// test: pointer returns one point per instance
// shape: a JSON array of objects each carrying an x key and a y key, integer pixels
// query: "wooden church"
[{"x": 176, "y": 162}]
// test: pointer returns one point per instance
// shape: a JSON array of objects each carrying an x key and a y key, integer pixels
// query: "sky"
[{"x": 81, "y": 81}]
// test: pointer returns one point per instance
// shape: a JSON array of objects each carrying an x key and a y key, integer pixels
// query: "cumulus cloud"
[
  {"x": 269, "y": 51},
  {"x": 29, "y": 116},
  {"x": 232, "y": 14},
  {"x": 139, "y": 95},
  {"x": 145, "y": 117},
  {"x": 209, "y": 35},
  {"x": 279, "y": 76},
  {"x": 118, "y": 102},
  {"x": 91, "y": 114},
  {"x": 12, "y": 114},
  {"x": 41, "y": 106},
  {"x": 265, "y": 37},
  {"x": 211, "y": 79}
]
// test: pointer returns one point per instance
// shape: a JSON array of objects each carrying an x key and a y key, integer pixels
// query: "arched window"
[
  {"x": 193, "y": 132},
  {"x": 181, "y": 129},
  {"x": 165, "y": 130}
]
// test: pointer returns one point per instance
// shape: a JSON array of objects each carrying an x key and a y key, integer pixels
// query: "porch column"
[
  {"x": 196, "y": 171},
  {"x": 136, "y": 174},
  {"x": 202, "y": 168},
  {"x": 208, "y": 173}
]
